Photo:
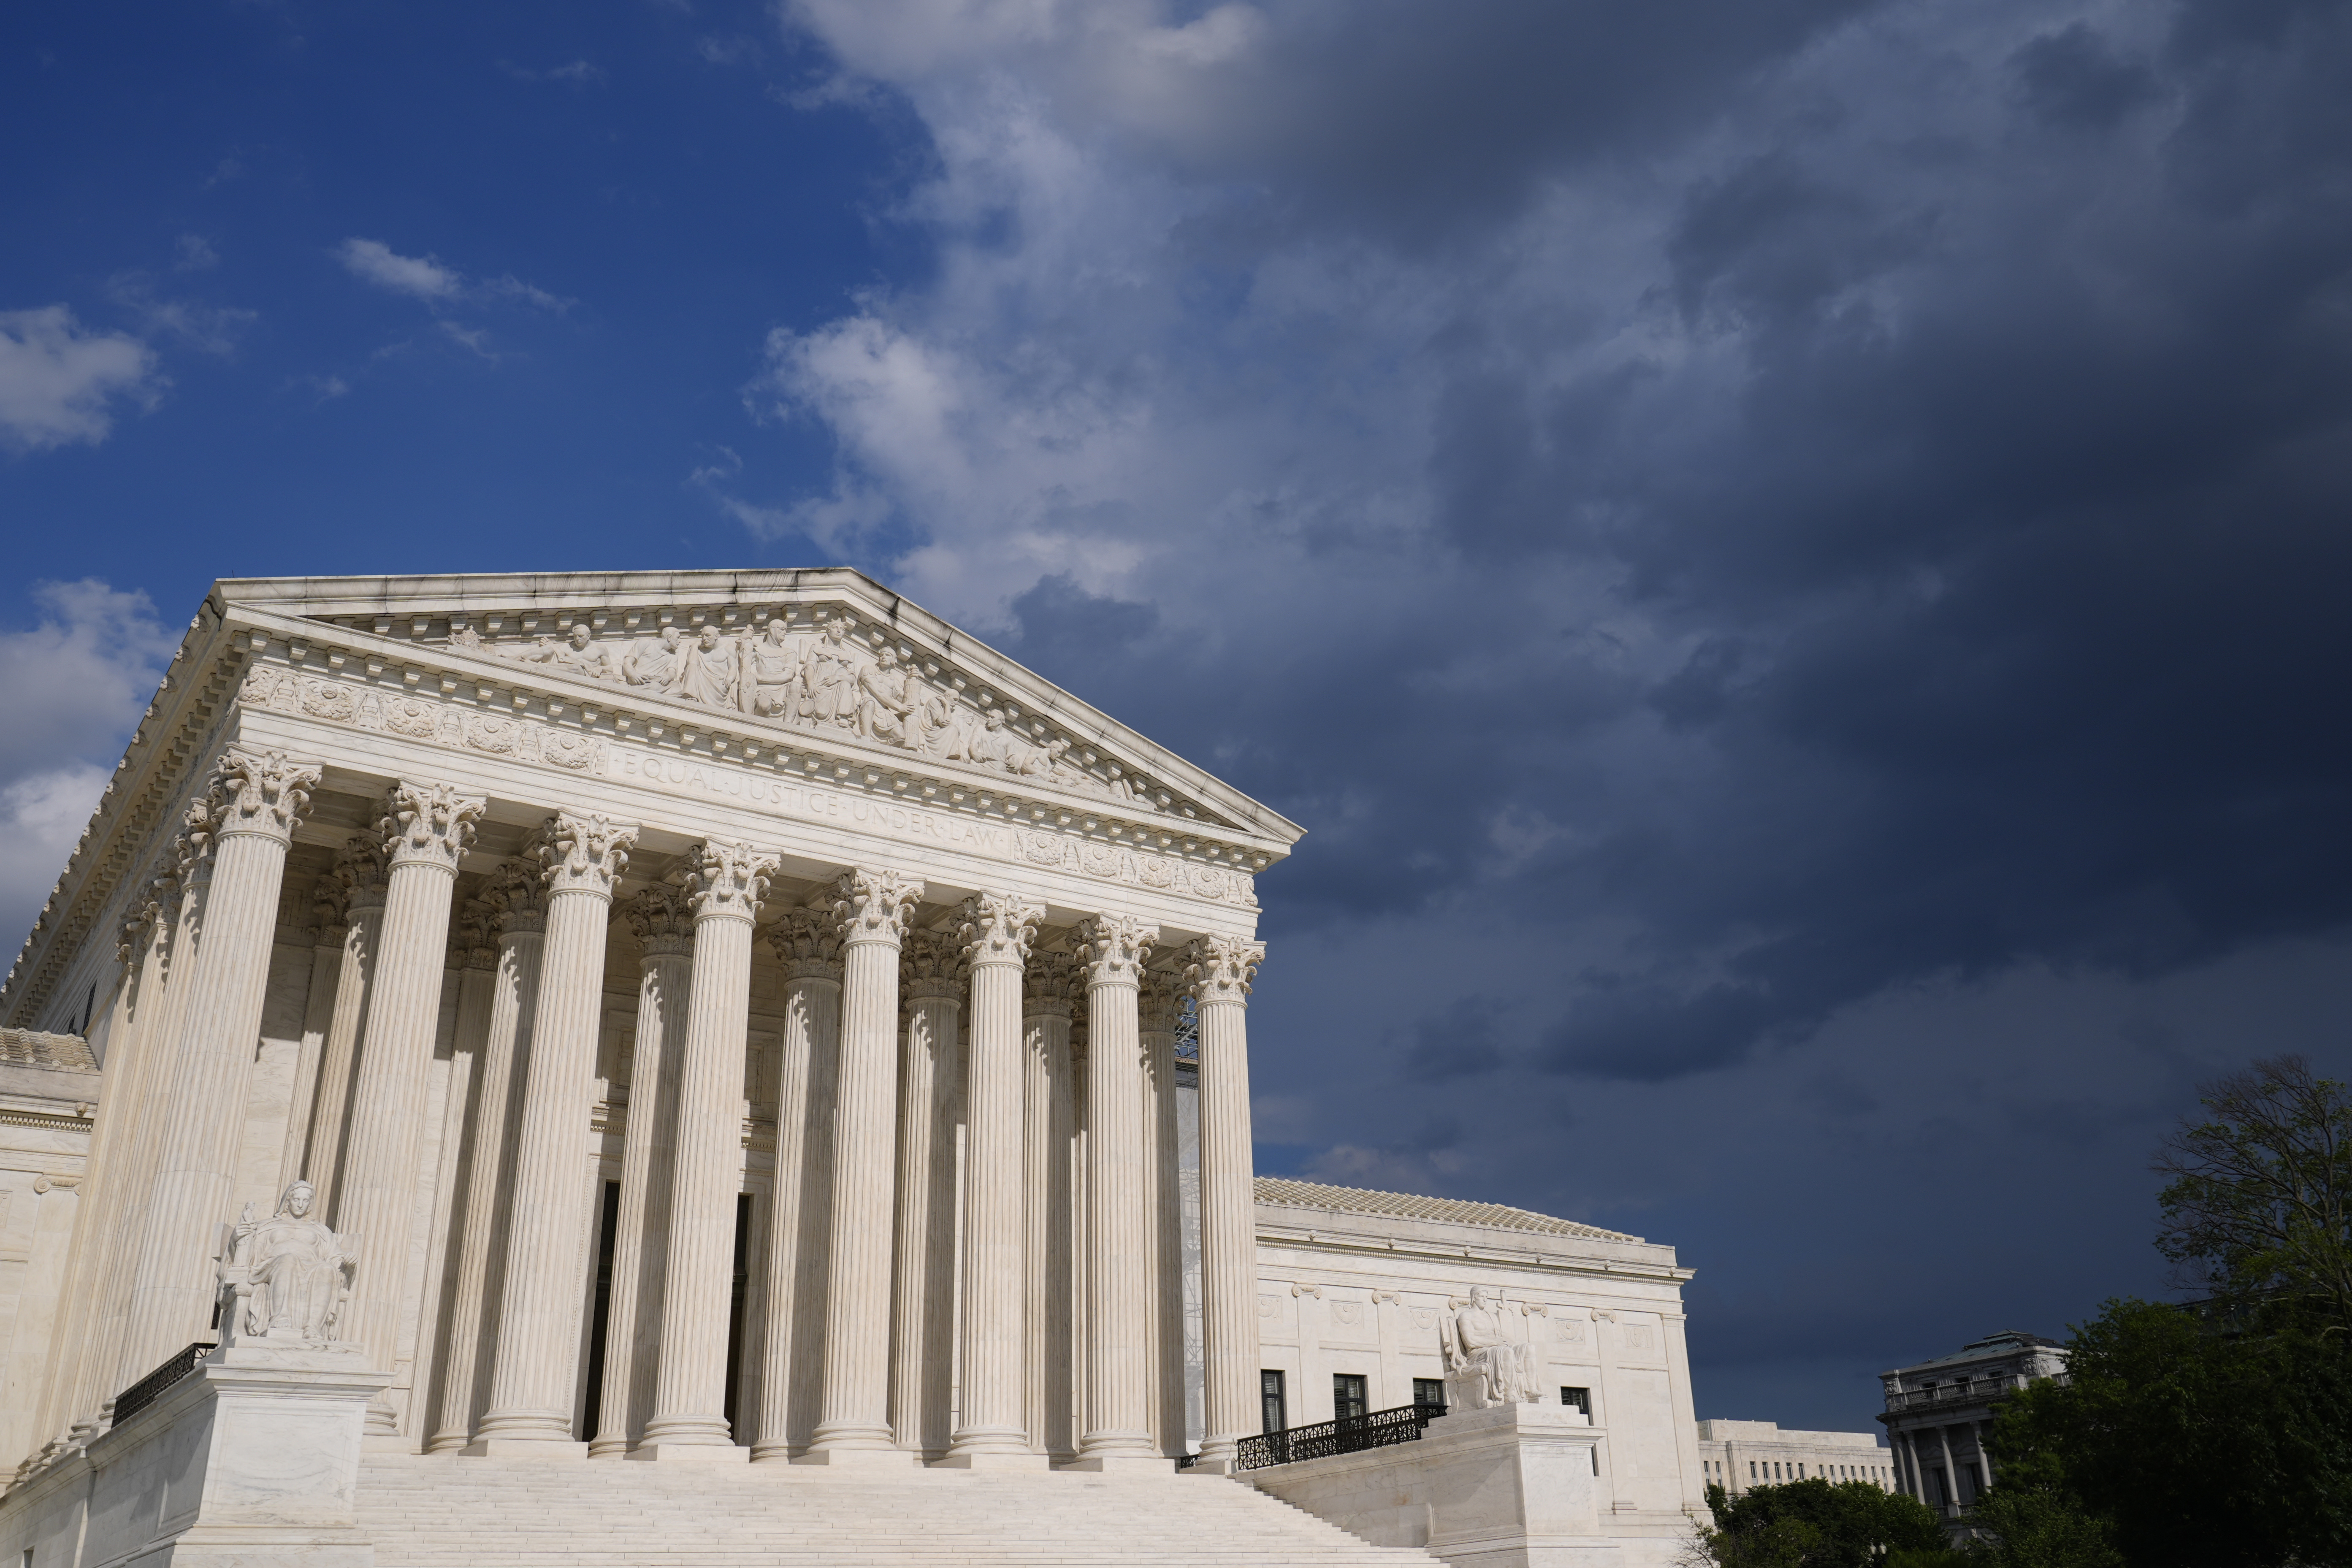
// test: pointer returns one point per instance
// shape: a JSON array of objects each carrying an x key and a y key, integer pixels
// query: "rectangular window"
[
  {"x": 1751, "y": 1469},
  {"x": 1972, "y": 1482},
  {"x": 1348, "y": 1395},
  {"x": 1577, "y": 1399},
  {"x": 1429, "y": 1391},
  {"x": 1274, "y": 1409}
]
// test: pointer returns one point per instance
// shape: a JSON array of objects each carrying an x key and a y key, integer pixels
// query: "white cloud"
[
  {"x": 210, "y": 328},
  {"x": 418, "y": 276},
  {"x": 196, "y": 254},
  {"x": 58, "y": 382},
  {"x": 41, "y": 818},
  {"x": 578, "y": 73}
]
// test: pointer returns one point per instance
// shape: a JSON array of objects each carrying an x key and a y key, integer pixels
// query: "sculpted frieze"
[{"x": 528, "y": 739}]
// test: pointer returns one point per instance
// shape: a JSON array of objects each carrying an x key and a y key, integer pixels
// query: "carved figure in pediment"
[
  {"x": 994, "y": 746},
  {"x": 287, "y": 1275},
  {"x": 465, "y": 636},
  {"x": 772, "y": 673},
  {"x": 943, "y": 727},
  {"x": 1484, "y": 1364},
  {"x": 884, "y": 712},
  {"x": 654, "y": 663},
  {"x": 831, "y": 674},
  {"x": 708, "y": 672},
  {"x": 582, "y": 655}
]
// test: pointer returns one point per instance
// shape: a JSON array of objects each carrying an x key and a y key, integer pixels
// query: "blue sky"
[{"x": 1791, "y": 554}]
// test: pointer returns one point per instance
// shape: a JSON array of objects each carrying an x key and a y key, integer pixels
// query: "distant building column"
[
  {"x": 1951, "y": 1470},
  {"x": 872, "y": 904},
  {"x": 992, "y": 1429},
  {"x": 532, "y": 1384},
  {"x": 664, "y": 933},
  {"x": 725, "y": 884},
  {"x": 1984, "y": 1454},
  {"x": 1121, "y": 1218},
  {"x": 256, "y": 798},
  {"x": 1219, "y": 970},
  {"x": 426, "y": 827}
]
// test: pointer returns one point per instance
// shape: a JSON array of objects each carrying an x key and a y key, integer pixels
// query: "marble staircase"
[{"x": 444, "y": 1512}]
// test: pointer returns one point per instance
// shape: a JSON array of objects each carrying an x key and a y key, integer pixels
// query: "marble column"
[
  {"x": 1165, "y": 1257},
  {"x": 516, "y": 898},
  {"x": 531, "y": 1382},
  {"x": 922, "y": 1302},
  {"x": 807, "y": 942},
  {"x": 1047, "y": 1217},
  {"x": 1120, "y": 1217},
  {"x": 991, "y": 1427},
  {"x": 427, "y": 826},
  {"x": 725, "y": 884},
  {"x": 1219, "y": 969},
  {"x": 664, "y": 932},
  {"x": 872, "y": 905},
  {"x": 258, "y": 797},
  {"x": 329, "y": 925},
  {"x": 359, "y": 871}
]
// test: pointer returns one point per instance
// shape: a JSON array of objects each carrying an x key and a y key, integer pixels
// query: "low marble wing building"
[{"x": 703, "y": 1017}]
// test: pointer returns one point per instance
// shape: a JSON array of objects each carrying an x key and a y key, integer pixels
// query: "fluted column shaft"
[
  {"x": 641, "y": 1236},
  {"x": 1218, "y": 970},
  {"x": 1047, "y": 1128},
  {"x": 532, "y": 1381},
  {"x": 358, "y": 887},
  {"x": 428, "y": 826},
  {"x": 328, "y": 909},
  {"x": 991, "y": 1427},
  {"x": 478, "y": 1227},
  {"x": 1119, "y": 1219},
  {"x": 929, "y": 1070},
  {"x": 724, "y": 886},
  {"x": 800, "y": 1209},
  {"x": 258, "y": 798},
  {"x": 1164, "y": 1269},
  {"x": 873, "y": 906}
]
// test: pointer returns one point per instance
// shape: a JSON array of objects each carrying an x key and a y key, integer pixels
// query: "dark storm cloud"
[{"x": 2011, "y": 550}]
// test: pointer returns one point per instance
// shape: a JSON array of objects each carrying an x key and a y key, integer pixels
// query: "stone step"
[{"x": 446, "y": 1512}]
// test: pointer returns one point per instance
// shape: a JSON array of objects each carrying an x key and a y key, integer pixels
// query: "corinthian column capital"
[
  {"x": 931, "y": 964},
  {"x": 873, "y": 903},
  {"x": 661, "y": 920},
  {"x": 583, "y": 854},
  {"x": 1045, "y": 986},
  {"x": 726, "y": 880},
  {"x": 260, "y": 792},
  {"x": 808, "y": 943},
  {"x": 192, "y": 847},
  {"x": 516, "y": 896},
  {"x": 429, "y": 823},
  {"x": 998, "y": 929},
  {"x": 1220, "y": 968},
  {"x": 1115, "y": 947},
  {"x": 358, "y": 874},
  {"x": 1159, "y": 1002}
]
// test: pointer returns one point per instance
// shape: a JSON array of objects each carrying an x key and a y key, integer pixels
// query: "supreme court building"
[{"x": 701, "y": 1016}]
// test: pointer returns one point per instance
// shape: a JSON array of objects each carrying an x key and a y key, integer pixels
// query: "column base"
[
  {"x": 865, "y": 1458},
  {"x": 691, "y": 1452},
  {"x": 994, "y": 1459},
  {"x": 523, "y": 1448},
  {"x": 1121, "y": 1465}
]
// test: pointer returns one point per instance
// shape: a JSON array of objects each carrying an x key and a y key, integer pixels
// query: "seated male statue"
[{"x": 1484, "y": 1365}]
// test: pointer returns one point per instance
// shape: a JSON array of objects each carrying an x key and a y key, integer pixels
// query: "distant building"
[
  {"x": 1740, "y": 1456},
  {"x": 1938, "y": 1414}
]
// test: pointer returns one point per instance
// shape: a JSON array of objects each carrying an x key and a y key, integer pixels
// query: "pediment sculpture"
[
  {"x": 1484, "y": 1366},
  {"x": 284, "y": 1280},
  {"x": 826, "y": 678}
]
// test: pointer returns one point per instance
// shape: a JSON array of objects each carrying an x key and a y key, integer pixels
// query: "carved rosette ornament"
[
  {"x": 429, "y": 824},
  {"x": 1220, "y": 968},
  {"x": 931, "y": 964},
  {"x": 999, "y": 928},
  {"x": 1115, "y": 947},
  {"x": 263, "y": 793},
  {"x": 726, "y": 880},
  {"x": 661, "y": 920},
  {"x": 808, "y": 943},
  {"x": 583, "y": 854},
  {"x": 517, "y": 896},
  {"x": 874, "y": 904}
]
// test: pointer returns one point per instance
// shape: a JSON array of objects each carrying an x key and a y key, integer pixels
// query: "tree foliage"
[
  {"x": 2257, "y": 1204},
  {"x": 1816, "y": 1523}
]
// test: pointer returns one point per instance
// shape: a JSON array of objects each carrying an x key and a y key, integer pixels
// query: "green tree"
[
  {"x": 1816, "y": 1524},
  {"x": 2257, "y": 1206}
]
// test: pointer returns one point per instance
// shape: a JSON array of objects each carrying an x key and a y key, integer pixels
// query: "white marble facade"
[{"x": 725, "y": 1016}]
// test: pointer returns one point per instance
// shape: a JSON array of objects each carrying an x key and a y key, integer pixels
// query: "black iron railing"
[
  {"x": 1348, "y": 1434},
  {"x": 150, "y": 1388}
]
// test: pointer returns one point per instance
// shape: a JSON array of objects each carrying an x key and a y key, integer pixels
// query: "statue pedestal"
[
  {"x": 252, "y": 1459},
  {"x": 1507, "y": 1487}
]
